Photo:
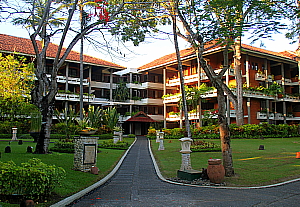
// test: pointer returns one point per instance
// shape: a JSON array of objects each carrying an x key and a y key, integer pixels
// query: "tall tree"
[
  {"x": 123, "y": 19},
  {"x": 202, "y": 25},
  {"x": 17, "y": 78},
  {"x": 235, "y": 17}
]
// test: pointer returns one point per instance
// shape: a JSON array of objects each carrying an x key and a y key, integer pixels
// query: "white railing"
[
  {"x": 260, "y": 77},
  {"x": 172, "y": 99},
  {"x": 73, "y": 97},
  {"x": 71, "y": 80},
  {"x": 187, "y": 79}
]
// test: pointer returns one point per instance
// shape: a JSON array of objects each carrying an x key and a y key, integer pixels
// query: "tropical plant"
[
  {"x": 121, "y": 93},
  {"x": 110, "y": 118},
  {"x": 67, "y": 121},
  {"x": 93, "y": 117}
]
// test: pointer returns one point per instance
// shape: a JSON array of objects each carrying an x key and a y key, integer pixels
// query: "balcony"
[
  {"x": 260, "y": 77},
  {"x": 71, "y": 80},
  {"x": 210, "y": 94},
  {"x": 172, "y": 99},
  {"x": 262, "y": 115},
  {"x": 151, "y": 101},
  {"x": 187, "y": 79},
  {"x": 272, "y": 116},
  {"x": 291, "y": 98},
  {"x": 263, "y": 77},
  {"x": 73, "y": 97},
  {"x": 97, "y": 84},
  {"x": 230, "y": 71},
  {"x": 157, "y": 86}
]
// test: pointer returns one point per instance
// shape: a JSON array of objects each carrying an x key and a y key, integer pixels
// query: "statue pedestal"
[
  {"x": 85, "y": 156},
  {"x": 186, "y": 172},
  {"x": 189, "y": 175}
]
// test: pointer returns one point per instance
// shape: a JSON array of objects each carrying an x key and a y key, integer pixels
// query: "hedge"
[
  {"x": 263, "y": 130},
  {"x": 111, "y": 145},
  {"x": 32, "y": 179}
]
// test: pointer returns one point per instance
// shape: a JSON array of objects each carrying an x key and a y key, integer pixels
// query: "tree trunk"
[
  {"x": 224, "y": 134},
  {"x": 222, "y": 120},
  {"x": 185, "y": 110},
  {"x": 239, "y": 83},
  {"x": 44, "y": 138},
  {"x": 43, "y": 96}
]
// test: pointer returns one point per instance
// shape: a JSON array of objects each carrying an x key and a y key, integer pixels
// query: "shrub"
[
  {"x": 104, "y": 136},
  {"x": 119, "y": 145},
  {"x": 32, "y": 179},
  {"x": 131, "y": 136},
  {"x": 65, "y": 146},
  {"x": 23, "y": 127},
  {"x": 151, "y": 131},
  {"x": 64, "y": 128},
  {"x": 204, "y": 146},
  {"x": 177, "y": 132},
  {"x": 151, "y": 137}
]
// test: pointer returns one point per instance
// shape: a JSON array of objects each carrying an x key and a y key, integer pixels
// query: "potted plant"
[
  {"x": 117, "y": 130},
  {"x": 88, "y": 131}
]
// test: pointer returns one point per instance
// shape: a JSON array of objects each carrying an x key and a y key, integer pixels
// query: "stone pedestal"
[
  {"x": 116, "y": 139},
  {"x": 161, "y": 141},
  {"x": 185, "y": 154},
  {"x": 157, "y": 136},
  {"x": 121, "y": 136},
  {"x": 189, "y": 175},
  {"x": 14, "y": 134},
  {"x": 116, "y": 136},
  {"x": 186, "y": 172},
  {"x": 85, "y": 156}
]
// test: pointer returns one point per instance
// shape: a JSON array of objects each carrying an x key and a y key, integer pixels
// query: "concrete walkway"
[{"x": 136, "y": 184}]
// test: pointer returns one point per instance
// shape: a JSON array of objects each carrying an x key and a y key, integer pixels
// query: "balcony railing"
[
  {"x": 71, "y": 80},
  {"x": 260, "y": 77},
  {"x": 73, "y": 97},
  {"x": 172, "y": 99},
  {"x": 276, "y": 116},
  {"x": 158, "y": 86},
  {"x": 187, "y": 79}
]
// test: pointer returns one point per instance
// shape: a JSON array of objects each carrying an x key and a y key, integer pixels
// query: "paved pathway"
[{"x": 136, "y": 184}]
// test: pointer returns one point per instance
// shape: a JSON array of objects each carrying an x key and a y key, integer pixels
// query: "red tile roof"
[
  {"x": 284, "y": 54},
  {"x": 24, "y": 46},
  {"x": 213, "y": 45},
  {"x": 183, "y": 53},
  {"x": 141, "y": 117}
]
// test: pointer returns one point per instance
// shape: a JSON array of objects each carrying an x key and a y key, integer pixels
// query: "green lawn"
[
  {"x": 253, "y": 167},
  {"x": 75, "y": 180}
]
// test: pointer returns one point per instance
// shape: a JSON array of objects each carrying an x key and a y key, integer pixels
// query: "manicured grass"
[
  {"x": 75, "y": 180},
  {"x": 253, "y": 167}
]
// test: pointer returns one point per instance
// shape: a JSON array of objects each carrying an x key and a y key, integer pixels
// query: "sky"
[{"x": 152, "y": 48}]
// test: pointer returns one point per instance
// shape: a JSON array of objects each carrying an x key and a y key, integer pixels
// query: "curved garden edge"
[
  {"x": 158, "y": 172},
  {"x": 81, "y": 193}
]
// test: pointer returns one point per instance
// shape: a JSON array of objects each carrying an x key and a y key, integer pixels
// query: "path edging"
[
  {"x": 81, "y": 193},
  {"x": 203, "y": 186}
]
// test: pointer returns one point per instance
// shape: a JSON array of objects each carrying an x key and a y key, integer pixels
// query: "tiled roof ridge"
[
  {"x": 213, "y": 45},
  {"x": 24, "y": 45}
]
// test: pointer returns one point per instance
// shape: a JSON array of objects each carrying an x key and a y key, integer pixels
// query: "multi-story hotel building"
[{"x": 150, "y": 82}]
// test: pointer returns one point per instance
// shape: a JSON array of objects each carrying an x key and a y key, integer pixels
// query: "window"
[{"x": 72, "y": 72}]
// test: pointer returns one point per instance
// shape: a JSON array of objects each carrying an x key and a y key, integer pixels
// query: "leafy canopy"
[{"x": 16, "y": 77}]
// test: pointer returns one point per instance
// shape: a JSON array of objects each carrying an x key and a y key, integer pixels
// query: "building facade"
[
  {"x": 260, "y": 70},
  {"x": 148, "y": 84}
]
